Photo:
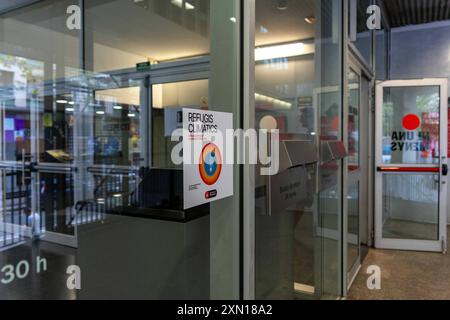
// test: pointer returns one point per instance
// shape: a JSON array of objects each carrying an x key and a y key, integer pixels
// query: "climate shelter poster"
[{"x": 207, "y": 175}]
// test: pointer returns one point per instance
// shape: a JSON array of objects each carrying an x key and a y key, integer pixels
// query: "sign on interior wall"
[{"x": 207, "y": 177}]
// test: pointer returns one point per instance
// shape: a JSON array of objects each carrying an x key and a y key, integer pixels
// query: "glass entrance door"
[
  {"x": 411, "y": 159},
  {"x": 53, "y": 127}
]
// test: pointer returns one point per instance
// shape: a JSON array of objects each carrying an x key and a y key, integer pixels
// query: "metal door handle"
[{"x": 444, "y": 170}]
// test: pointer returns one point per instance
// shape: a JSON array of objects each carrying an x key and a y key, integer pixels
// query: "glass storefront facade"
[
  {"x": 86, "y": 172},
  {"x": 90, "y": 92}
]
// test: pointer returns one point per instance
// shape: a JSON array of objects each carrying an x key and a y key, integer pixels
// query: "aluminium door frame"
[
  {"x": 360, "y": 67},
  {"x": 351, "y": 177},
  {"x": 439, "y": 245}
]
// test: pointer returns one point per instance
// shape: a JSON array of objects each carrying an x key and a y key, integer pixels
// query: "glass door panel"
[
  {"x": 411, "y": 206},
  {"x": 411, "y": 123},
  {"x": 53, "y": 128},
  {"x": 56, "y": 206},
  {"x": 115, "y": 125},
  {"x": 117, "y": 114},
  {"x": 411, "y": 181}
]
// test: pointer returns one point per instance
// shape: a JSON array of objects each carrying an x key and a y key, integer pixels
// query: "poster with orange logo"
[{"x": 207, "y": 156}]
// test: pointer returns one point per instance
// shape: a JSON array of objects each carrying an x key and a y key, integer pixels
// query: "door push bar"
[{"x": 412, "y": 169}]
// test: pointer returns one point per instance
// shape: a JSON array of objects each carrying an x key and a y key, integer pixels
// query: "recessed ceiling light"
[
  {"x": 61, "y": 101},
  {"x": 100, "y": 113},
  {"x": 131, "y": 115},
  {"x": 118, "y": 107},
  {"x": 72, "y": 103},
  {"x": 70, "y": 109}
]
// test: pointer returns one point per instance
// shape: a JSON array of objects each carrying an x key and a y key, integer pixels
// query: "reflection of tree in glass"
[
  {"x": 428, "y": 103},
  {"x": 25, "y": 67}
]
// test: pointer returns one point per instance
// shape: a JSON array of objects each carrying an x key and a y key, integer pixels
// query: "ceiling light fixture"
[
  {"x": 310, "y": 20},
  {"x": 179, "y": 4},
  {"x": 70, "y": 109},
  {"x": 61, "y": 101},
  {"x": 276, "y": 103},
  {"x": 282, "y": 4},
  {"x": 282, "y": 51},
  {"x": 100, "y": 113},
  {"x": 118, "y": 107}
]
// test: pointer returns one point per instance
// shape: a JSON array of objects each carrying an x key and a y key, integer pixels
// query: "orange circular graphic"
[{"x": 210, "y": 164}]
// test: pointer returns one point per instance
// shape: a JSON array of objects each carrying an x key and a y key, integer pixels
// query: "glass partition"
[
  {"x": 88, "y": 96},
  {"x": 298, "y": 90}
]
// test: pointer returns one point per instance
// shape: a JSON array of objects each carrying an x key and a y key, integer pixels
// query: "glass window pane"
[
  {"x": 411, "y": 125},
  {"x": 381, "y": 55},
  {"x": 124, "y": 33},
  {"x": 298, "y": 87},
  {"x": 169, "y": 99},
  {"x": 411, "y": 206},
  {"x": 117, "y": 131},
  {"x": 354, "y": 120},
  {"x": 56, "y": 204}
]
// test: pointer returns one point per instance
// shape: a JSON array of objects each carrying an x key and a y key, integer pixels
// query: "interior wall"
[{"x": 421, "y": 51}]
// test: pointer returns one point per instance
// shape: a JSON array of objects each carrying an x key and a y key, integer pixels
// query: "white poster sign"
[{"x": 207, "y": 175}]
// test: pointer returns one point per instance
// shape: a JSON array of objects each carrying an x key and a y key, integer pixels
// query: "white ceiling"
[{"x": 163, "y": 31}]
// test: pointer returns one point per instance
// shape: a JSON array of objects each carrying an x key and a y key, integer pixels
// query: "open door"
[{"x": 411, "y": 160}]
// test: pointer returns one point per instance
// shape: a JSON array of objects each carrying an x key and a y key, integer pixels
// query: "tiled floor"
[{"x": 405, "y": 275}]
